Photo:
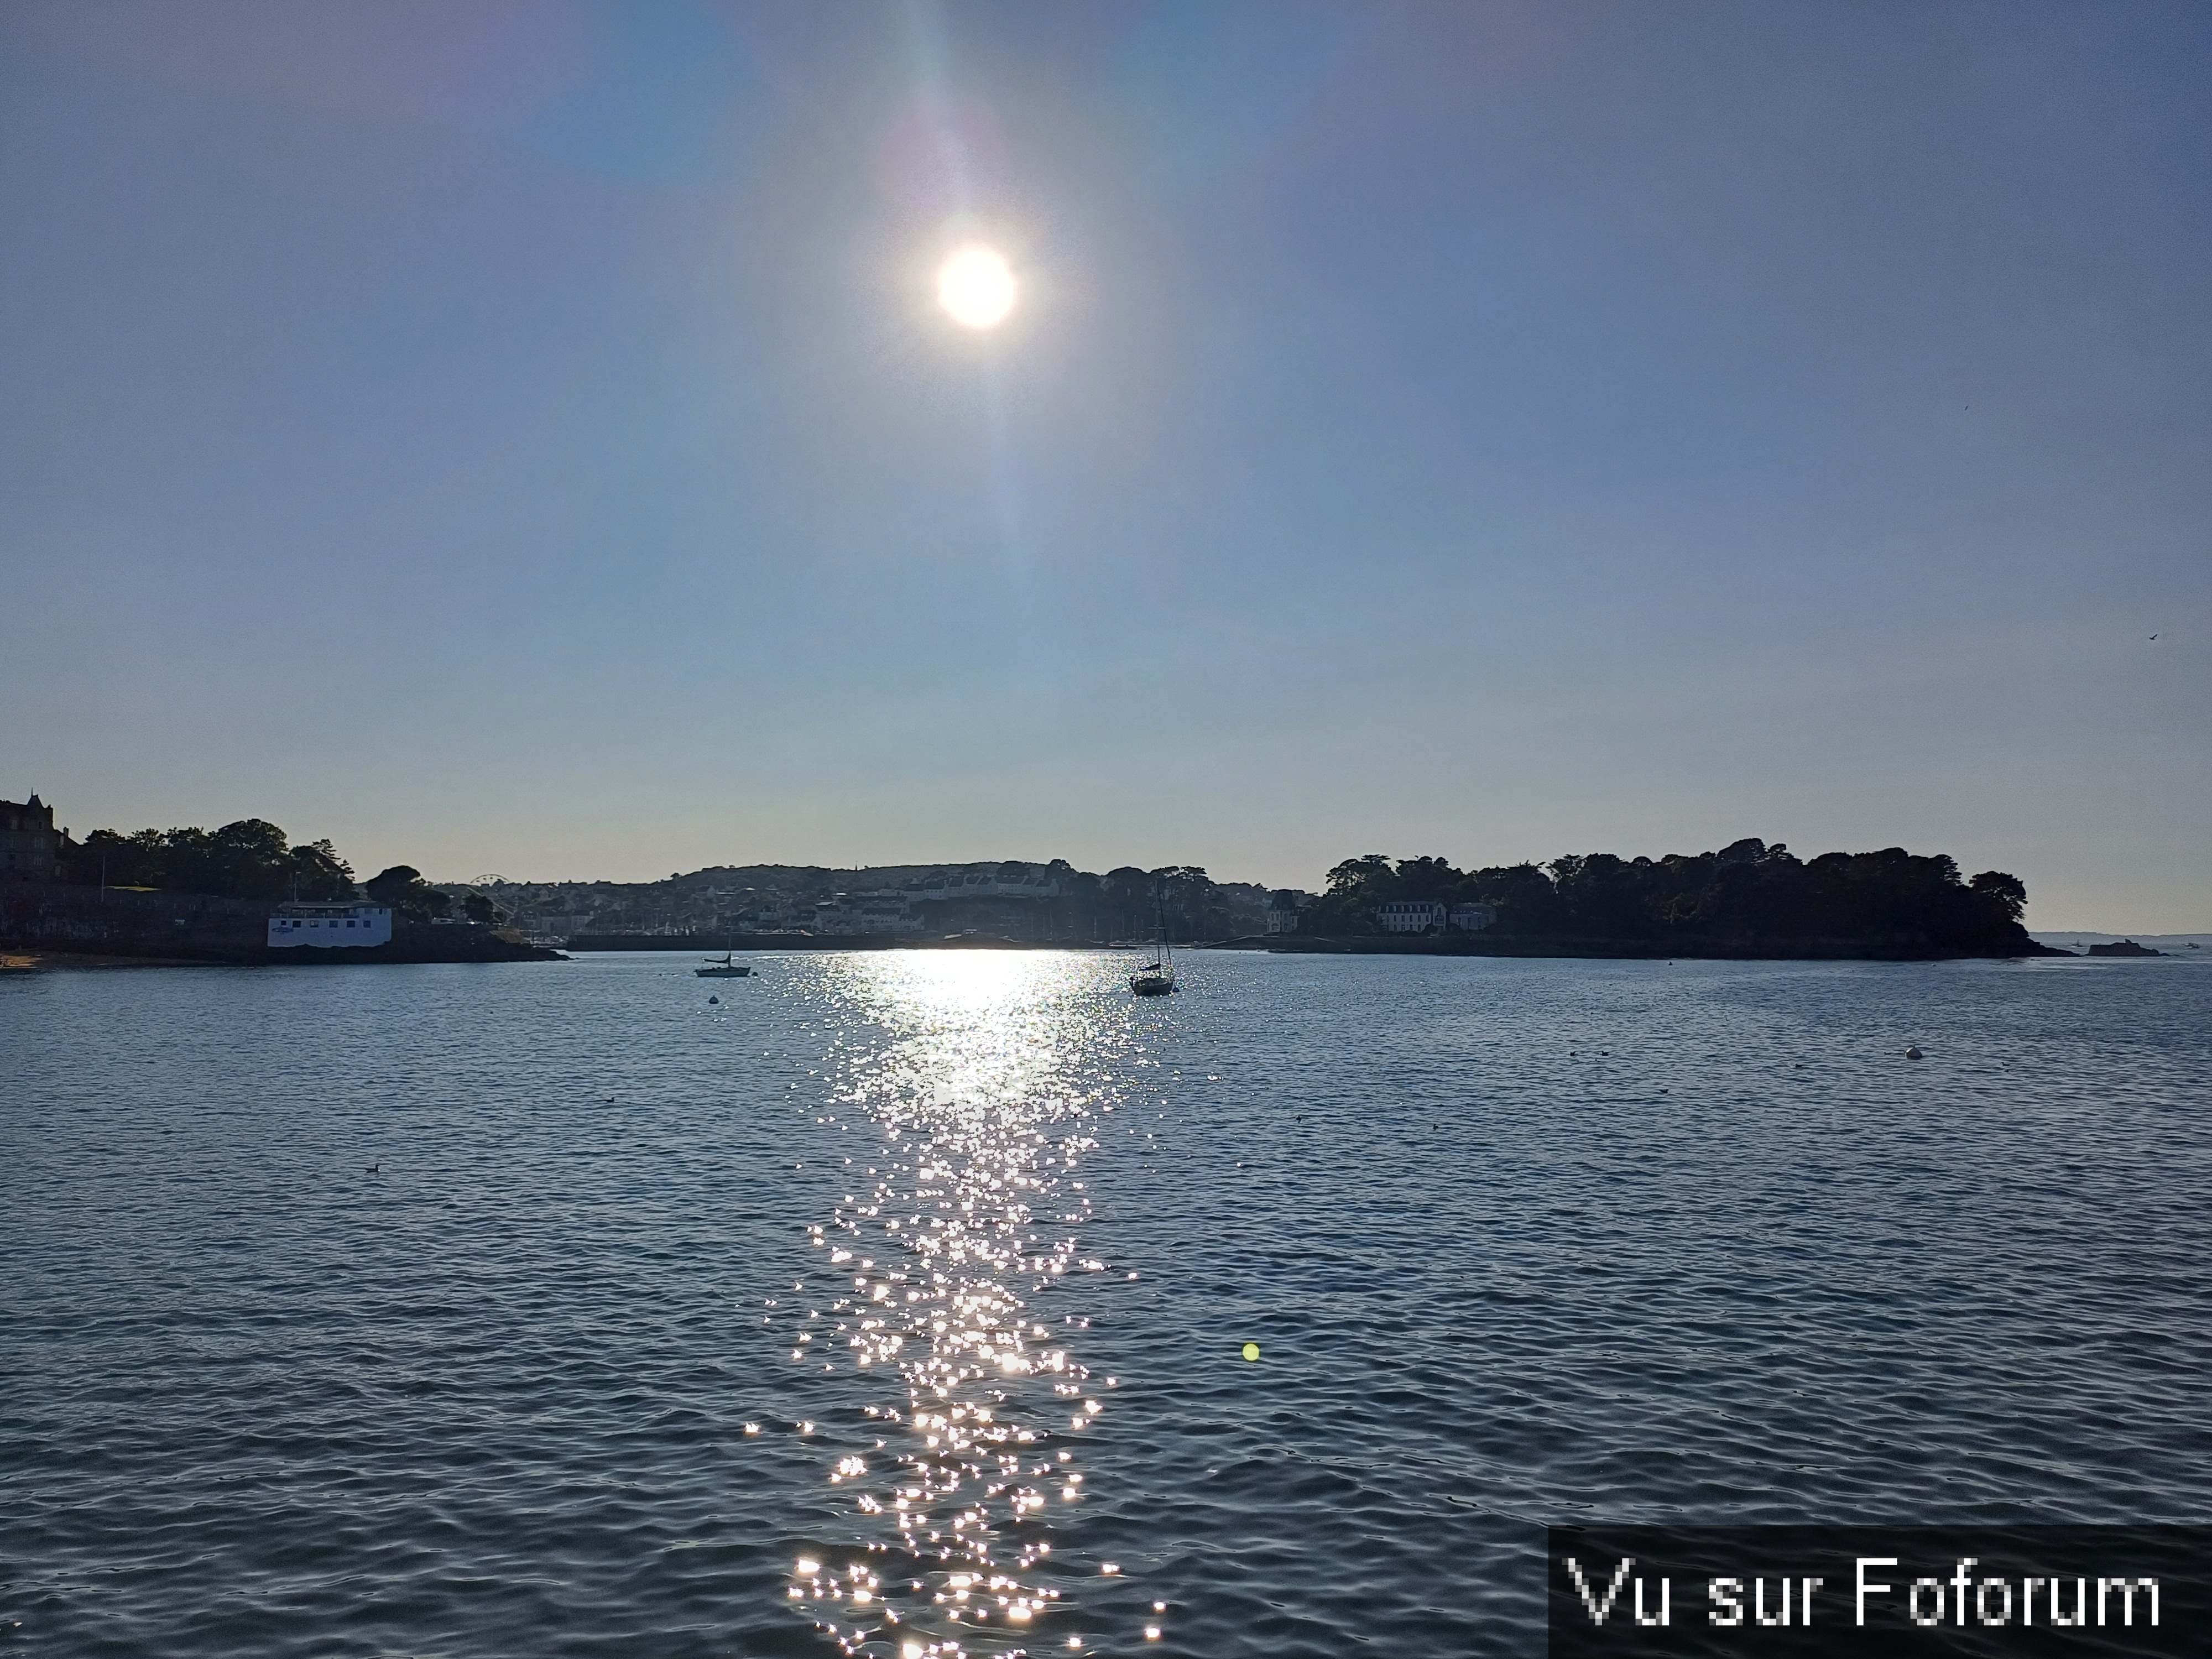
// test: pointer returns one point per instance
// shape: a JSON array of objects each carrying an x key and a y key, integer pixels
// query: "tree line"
[
  {"x": 1746, "y": 891},
  {"x": 250, "y": 859},
  {"x": 1180, "y": 900},
  {"x": 253, "y": 858}
]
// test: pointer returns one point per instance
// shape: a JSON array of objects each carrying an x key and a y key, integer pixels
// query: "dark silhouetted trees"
[
  {"x": 250, "y": 859},
  {"x": 1189, "y": 903},
  {"x": 1748, "y": 894},
  {"x": 403, "y": 888},
  {"x": 1126, "y": 896}
]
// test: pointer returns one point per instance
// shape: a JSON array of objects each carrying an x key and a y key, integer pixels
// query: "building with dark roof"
[{"x": 30, "y": 846}]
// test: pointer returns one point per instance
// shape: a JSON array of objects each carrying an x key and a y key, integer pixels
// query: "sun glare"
[{"x": 976, "y": 286}]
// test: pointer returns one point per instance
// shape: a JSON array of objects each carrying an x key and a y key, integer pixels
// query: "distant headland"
[
  {"x": 219, "y": 896},
  {"x": 200, "y": 894},
  {"x": 1749, "y": 899}
]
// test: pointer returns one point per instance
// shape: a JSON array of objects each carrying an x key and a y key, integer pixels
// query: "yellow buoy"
[{"x": 1251, "y": 1351}]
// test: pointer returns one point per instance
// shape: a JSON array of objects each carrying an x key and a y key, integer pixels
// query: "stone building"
[
  {"x": 30, "y": 846},
  {"x": 1411, "y": 915}
]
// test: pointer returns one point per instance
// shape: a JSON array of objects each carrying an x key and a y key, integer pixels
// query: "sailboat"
[
  {"x": 1157, "y": 978},
  {"x": 726, "y": 967}
]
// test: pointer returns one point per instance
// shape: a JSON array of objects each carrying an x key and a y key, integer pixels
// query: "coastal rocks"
[{"x": 2126, "y": 947}]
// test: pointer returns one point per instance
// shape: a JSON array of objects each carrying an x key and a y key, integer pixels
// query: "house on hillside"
[
  {"x": 1411, "y": 915},
  {"x": 30, "y": 846},
  {"x": 1472, "y": 917}
]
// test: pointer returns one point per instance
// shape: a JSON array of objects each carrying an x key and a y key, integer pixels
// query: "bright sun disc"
[{"x": 975, "y": 287}]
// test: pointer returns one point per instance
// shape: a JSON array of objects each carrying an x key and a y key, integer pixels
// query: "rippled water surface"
[{"x": 898, "y": 1303}]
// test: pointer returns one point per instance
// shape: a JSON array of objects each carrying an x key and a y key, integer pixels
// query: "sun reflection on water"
[{"x": 931, "y": 1276}]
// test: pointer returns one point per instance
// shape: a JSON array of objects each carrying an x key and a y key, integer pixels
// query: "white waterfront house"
[
  {"x": 1419, "y": 916},
  {"x": 1411, "y": 915},
  {"x": 342, "y": 923}
]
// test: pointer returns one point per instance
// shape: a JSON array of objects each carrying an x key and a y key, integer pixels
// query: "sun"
[{"x": 976, "y": 286}]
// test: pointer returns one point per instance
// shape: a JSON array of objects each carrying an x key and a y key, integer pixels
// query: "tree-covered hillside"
[
  {"x": 1747, "y": 892},
  {"x": 1083, "y": 906}
]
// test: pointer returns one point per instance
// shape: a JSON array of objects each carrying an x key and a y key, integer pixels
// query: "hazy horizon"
[{"x": 525, "y": 438}]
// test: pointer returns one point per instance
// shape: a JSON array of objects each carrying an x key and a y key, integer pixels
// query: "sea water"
[{"x": 899, "y": 1303}]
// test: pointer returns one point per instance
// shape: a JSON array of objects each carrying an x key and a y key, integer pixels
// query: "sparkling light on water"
[{"x": 931, "y": 1272}]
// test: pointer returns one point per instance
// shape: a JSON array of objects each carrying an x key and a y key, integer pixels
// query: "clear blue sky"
[{"x": 522, "y": 438}]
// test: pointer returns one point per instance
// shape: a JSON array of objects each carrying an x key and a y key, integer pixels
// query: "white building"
[
  {"x": 1472, "y": 917},
  {"x": 1283, "y": 911},
  {"x": 340, "y": 924},
  {"x": 1411, "y": 915}
]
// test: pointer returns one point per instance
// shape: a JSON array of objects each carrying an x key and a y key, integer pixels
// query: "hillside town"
[{"x": 1044, "y": 904}]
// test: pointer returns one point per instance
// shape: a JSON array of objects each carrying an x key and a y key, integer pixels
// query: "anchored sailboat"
[
  {"x": 727, "y": 968},
  {"x": 1157, "y": 978}
]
